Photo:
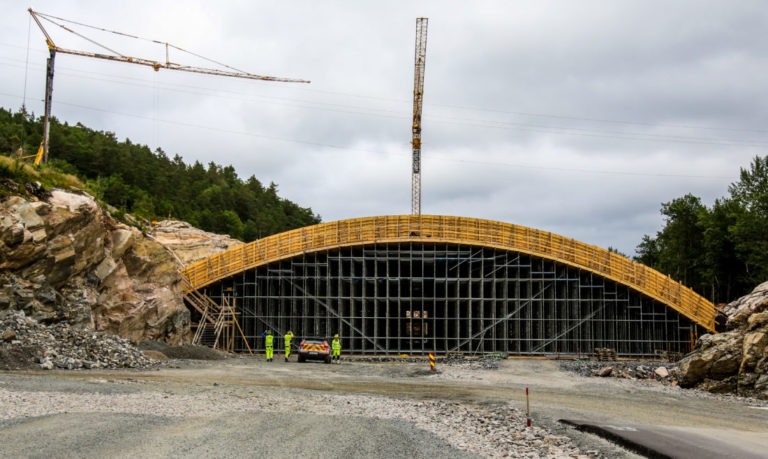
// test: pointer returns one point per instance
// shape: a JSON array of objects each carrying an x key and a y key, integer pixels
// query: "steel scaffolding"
[{"x": 393, "y": 298}]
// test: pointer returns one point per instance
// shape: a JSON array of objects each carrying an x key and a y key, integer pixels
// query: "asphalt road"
[{"x": 675, "y": 442}]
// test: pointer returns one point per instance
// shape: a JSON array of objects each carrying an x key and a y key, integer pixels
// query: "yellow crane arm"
[
  {"x": 118, "y": 57},
  {"x": 172, "y": 66}
]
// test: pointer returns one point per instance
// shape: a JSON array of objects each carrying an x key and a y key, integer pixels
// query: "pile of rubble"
[
  {"x": 27, "y": 343},
  {"x": 663, "y": 372}
]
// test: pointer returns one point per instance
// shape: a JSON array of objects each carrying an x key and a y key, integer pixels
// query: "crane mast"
[
  {"x": 118, "y": 57},
  {"x": 418, "y": 96}
]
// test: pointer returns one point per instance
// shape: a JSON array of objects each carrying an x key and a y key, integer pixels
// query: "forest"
[
  {"x": 152, "y": 185},
  {"x": 721, "y": 251}
]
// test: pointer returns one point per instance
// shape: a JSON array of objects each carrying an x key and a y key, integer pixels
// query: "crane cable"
[
  {"x": 50, "y": 18},
  {"x": 79, "y": 34}
]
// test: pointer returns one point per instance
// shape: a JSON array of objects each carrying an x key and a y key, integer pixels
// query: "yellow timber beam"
[{"x": 457, "y": 230}]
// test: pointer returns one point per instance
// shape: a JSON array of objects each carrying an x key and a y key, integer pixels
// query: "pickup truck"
[{"x": 314, "y": 349}]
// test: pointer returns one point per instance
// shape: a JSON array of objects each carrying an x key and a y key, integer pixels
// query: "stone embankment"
[{"x": 737, "y": 359}]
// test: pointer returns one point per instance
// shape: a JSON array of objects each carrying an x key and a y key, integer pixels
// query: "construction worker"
[
  {"x": 269, "y": 341},
  {"x": 287, "y": 338},
  {"x": 336, "y": 347}
]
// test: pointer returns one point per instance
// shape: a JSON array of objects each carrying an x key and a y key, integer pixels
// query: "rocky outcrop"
[
  {"x": 736, "y": 360},
  {"x": 64, "y": 259},
  {"x": 189, "y": 243}
]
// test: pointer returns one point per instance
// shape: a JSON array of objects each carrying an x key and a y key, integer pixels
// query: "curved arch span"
[{"x": 459, "y": 230}]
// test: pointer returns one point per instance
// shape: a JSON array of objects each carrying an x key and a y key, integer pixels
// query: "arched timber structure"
[{"x": 420, "y": 283}]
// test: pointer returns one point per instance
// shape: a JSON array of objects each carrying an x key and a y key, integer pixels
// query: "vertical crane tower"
[{"x": 418, "y": 96}]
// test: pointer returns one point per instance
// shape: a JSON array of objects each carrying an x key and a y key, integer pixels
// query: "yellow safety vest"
[
  {"x": 269, "y": 340},
  {"x": 336, "y": 345},
  {"x": 288, "y": 339}
]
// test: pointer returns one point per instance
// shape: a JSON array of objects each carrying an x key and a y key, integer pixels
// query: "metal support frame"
[{"x": 415, "y": 297}]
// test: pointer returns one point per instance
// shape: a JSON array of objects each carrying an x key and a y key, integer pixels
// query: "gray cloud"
[{"x": 573, "y": 117}]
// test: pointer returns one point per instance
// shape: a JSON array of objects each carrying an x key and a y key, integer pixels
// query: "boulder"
[
  {"x": 739, "y": 311},
  {"x": 661, "y": 372},
  {"x": 606, "y": 371},
  {"x": 736, "y": 359},
  {"x": 753, "y": 348}
]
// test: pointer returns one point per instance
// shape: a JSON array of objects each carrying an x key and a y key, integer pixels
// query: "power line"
[
  {"x": 482, "y": 123},
  {"x": 483, "y": 109},
  {"x": 379, "y": 152}
]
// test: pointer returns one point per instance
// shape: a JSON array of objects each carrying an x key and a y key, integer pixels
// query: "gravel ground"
[
  {"x": 187, "y": 351},
  {"x": 244, "y": 406},
  {"x": 98, "y": 435},
  {"x": 489, "y": 430}
]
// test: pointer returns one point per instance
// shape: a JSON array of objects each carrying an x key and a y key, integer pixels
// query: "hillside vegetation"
[
  {"x": 720, "y": 251},
  {"x": 149, "y": 184}
]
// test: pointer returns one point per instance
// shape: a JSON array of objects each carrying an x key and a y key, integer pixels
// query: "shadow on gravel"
[{"x": 188, "y": 351}]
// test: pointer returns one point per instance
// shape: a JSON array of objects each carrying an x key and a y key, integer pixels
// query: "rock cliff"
[
  {"x": 63, "y": 258},
  {"x": 737, "y": 359},
  {"x": 189, "y": 243}
]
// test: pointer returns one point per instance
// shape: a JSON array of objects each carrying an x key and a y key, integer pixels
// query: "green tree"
[
  {"x": 681, "y": 241},
  {"x": 750, "y": 229}
]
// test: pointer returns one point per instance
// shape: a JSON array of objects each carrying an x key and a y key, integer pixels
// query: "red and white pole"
[
  {"x": 527, "y": 409},
  {"x": 432, "y": 361}
]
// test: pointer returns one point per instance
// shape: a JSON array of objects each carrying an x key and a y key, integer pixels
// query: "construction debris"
[
  {"x": 663, "y": 372},
  {"x": 605, "y": 355},
  {"x": 31, "y": 344}
]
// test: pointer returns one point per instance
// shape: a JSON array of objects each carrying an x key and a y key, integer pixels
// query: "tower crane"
[
  {"x": 418, "y": 95},
  {"x": 42, "y": 154}
]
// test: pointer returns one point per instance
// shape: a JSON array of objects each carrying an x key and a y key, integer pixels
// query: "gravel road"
[
  {"x": 245, "y": 406},
  {"x": 100, "y": 435}
]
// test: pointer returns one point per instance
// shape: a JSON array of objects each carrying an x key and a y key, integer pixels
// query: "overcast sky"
[{"x": 579, "y": 118}]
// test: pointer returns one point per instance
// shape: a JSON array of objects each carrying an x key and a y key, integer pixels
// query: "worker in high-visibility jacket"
[
  {"x": 269, "y": 341},
  {"x": 336, "y": 348},
  {"x": 287, "y": 339}
]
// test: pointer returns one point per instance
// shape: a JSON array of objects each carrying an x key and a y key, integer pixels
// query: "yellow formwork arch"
[{"x": 459, "y": 230}]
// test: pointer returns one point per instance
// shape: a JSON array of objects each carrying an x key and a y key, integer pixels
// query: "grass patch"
[
  {"x": 48, "y": 176},
  {"x": 17, "y": 170}
]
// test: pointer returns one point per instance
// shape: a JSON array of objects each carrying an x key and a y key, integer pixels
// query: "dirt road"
[{"x": 238, "y": 406}]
